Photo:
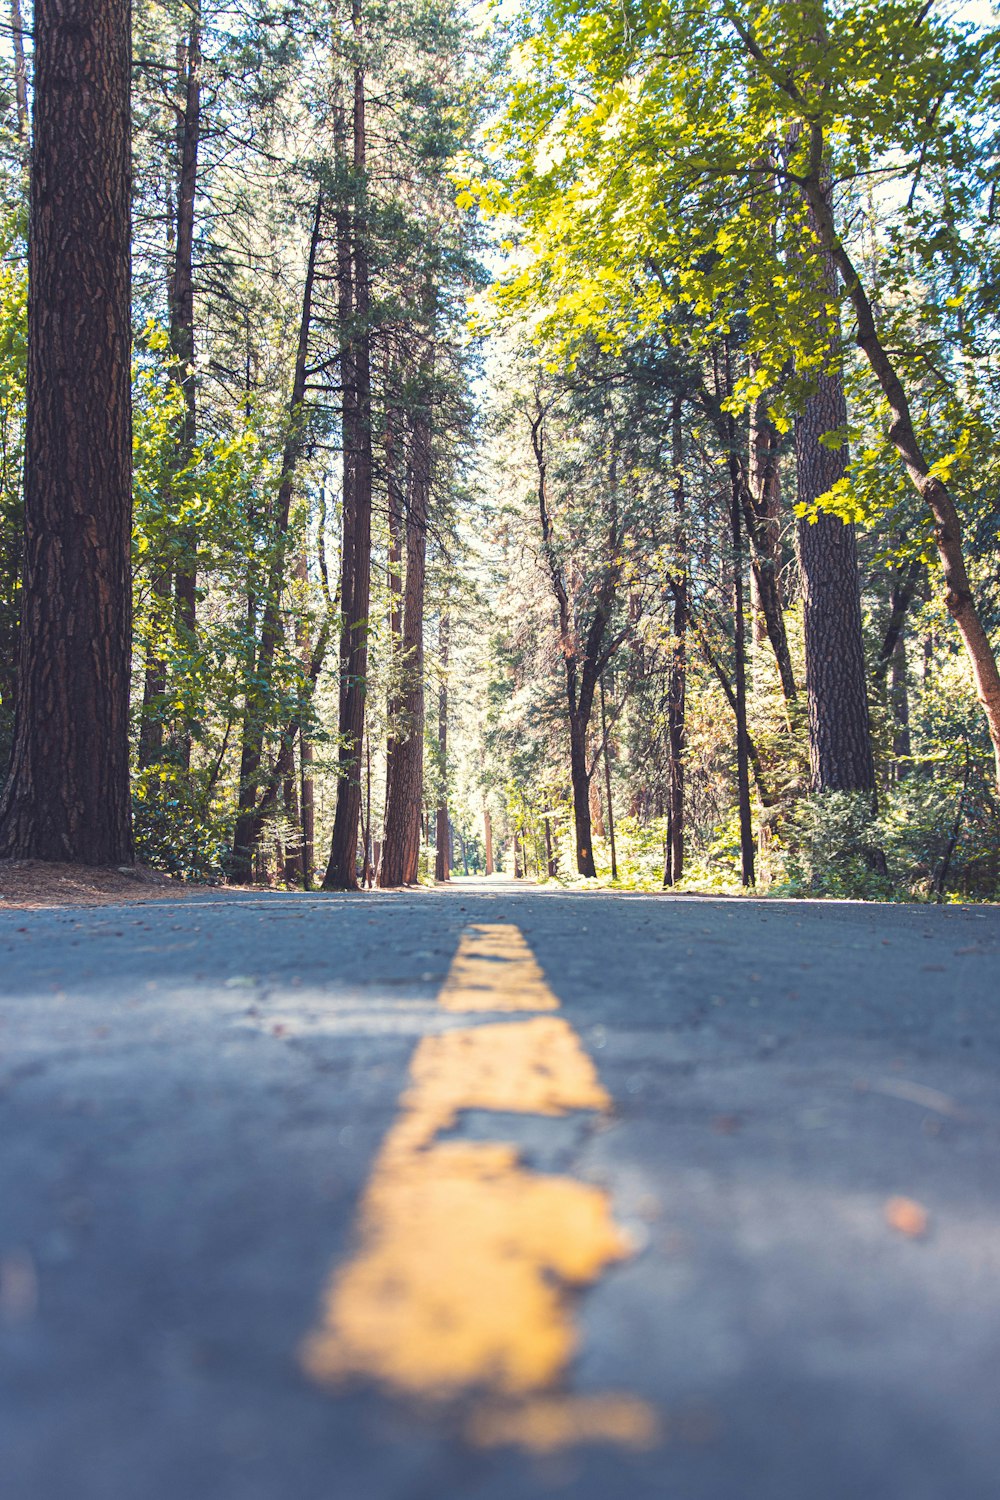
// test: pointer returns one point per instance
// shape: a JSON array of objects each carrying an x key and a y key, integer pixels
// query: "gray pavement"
[{"x": 192, "y": 1097}]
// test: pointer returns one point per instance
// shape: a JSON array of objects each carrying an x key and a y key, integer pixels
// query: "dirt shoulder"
[{"x": 36, "y": 883}]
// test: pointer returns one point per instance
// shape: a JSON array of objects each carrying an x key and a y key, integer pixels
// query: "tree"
[
  {"x": 355, "y": 310},
  {"x": 442, "y": 838},
  {"x": 405, "y": 769},
  {"x": 251, "y": 812},
  {"x": 67, "y": 796},
  {"x": 673, "y": 865},
  {"x": 586, "y": 638},
  {"x": 876, "y": 93},
  {"x": 839, "y": 735}
]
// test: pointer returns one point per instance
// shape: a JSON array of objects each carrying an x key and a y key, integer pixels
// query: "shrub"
[{"x": 174, "y": 830}]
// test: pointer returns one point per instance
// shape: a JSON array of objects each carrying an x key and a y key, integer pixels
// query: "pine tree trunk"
[
  {"x": 67, "y": 795},
  {"x": 342, "y": 869},
  {"x": 580, "y": 782},
  {"x": 677, "y": 684},
  {"x": 932, "y": 489},
  {"x": 442, "y": 870},
  {"x": 840, "y": 750},
  {"x": 580, "y": 707},
  {"x": 397, "y": 533},
  {"x": 747, "y": 848},
  {"x": 404, "y": 805},
  {"x": 488, "y": 836}
]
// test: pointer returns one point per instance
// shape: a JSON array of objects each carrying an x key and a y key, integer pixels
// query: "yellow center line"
[
  {"x": 466, "y": 1259},
  {"x": 494, "y": 969}
]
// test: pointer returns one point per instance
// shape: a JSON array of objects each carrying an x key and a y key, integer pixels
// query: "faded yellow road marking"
[
  {"x": 535, "y": 1067},
  {"x": 494, "y": 969},
  {"x": 466, "y": 1259}
]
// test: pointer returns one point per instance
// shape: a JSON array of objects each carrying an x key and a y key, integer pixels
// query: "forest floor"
[
  {"x": 27, "y": 883},
  {"x": 499, "y": 1193}
]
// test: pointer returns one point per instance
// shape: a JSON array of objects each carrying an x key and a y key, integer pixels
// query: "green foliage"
[
  {"x": 917, "y": 847},
  {"x": 833, "y": 848},
  {"x": 176, "y": 827}
]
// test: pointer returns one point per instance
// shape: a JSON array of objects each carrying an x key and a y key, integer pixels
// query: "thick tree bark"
[
  {"x": 840, "y": 750},
  {"x": 397, "y": 535},
  {"x": 341, "y": 871},
  {"x": 580, "y": 782},
  {"x": 255, "y": 714},
  {"x": 930, "y": 487},
  {"x": 67, "y": 795},
  {"x": 401, "y": 850},
  {"x": 442, "y": 870}
]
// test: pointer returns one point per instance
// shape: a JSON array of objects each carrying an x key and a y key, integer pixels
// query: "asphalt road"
[{"x": 715, "y": 1217}]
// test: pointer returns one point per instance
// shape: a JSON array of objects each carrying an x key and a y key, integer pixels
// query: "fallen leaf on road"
[{"x": 906, "y": 1216}]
